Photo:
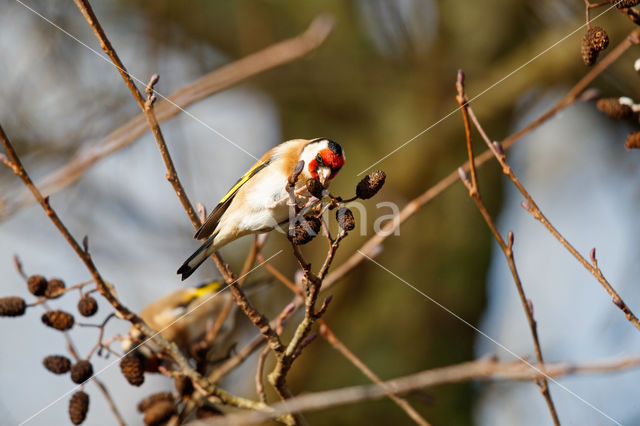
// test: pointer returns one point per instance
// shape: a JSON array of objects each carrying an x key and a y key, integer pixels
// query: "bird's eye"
[{"x": 319, "y": 160}]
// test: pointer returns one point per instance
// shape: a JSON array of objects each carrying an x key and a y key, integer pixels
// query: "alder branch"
[
  {"x": 217, "y": 80},
  {"x": 481, "y": 369},
  {"x": 506, "y": 247},
  {"x": 147, "y": 107},
  {"x": 108, "y": 292},
  {"x": 312, "y": 284},
  {"x": 531, "y": 206}
]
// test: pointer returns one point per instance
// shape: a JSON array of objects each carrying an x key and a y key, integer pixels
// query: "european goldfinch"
[
  {"x": 182, "y": 317},
  {"x": 258, "y": 202}
]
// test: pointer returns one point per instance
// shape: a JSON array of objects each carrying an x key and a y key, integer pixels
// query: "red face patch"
[{"x": 326, "y": 158}]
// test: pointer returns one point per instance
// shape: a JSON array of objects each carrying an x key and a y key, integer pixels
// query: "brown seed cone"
[
  {"x": 315, "y": 188},
  {"x": 78, "y": 407},
  {"x": 12, "y": 306},
  {"x": 633, "y": 141},
  {"x": 59, "y": 320},
  {"x": 632, "y": 14},
  {"x": 345, "y": 219},
  {"x": 55, "y": 288},
  {"x": 87, "y": 306},
  {"x": 624, "y": 4},
  {"x": 597, "y": 38},
  {"x": 613, "y": 108},
  {"x": 154, "y": 398},
  {"x": 37, "y": 285},
  {"x": 370, "y": 185},
  {"x": 305, "y": 230},
  {"x": 81, "y": 371},
  {"x": 207, "y": 411},
  {"x": 132, "y": 367},
  {"x": 184, "y": 385},
  {"x": 159, "y": 413},
  {"x": 57, "y": 364}
]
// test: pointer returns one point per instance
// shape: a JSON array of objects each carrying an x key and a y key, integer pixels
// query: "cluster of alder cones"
[
  {"x": 305, "y": 230},
  {"x": 80, "y": 371},
  {"x": 622, "y": 109},
  {"x": 596, "y": 39}
]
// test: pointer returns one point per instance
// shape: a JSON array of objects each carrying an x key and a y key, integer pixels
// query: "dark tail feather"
[{"x": 196, "y": 259}]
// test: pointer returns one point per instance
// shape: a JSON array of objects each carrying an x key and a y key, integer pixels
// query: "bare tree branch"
[{"x": 482, "y": 369}]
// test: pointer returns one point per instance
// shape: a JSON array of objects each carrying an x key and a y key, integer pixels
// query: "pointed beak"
[{"x": 323, "y": 175}]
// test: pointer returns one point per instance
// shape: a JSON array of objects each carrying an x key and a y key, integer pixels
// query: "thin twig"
[
  {"x": 535, "y": 211},
  {"x": 110, "y": 401},
  {"x": 507, "y": 247},
  {"x": 333, "y": 340},
  {"x": 249, "y": 261}
]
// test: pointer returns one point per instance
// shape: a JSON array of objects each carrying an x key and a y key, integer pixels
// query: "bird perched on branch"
[{"x": 258, "y": 202}]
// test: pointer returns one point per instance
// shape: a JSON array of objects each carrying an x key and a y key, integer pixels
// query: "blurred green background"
[{"x": 371, "y": 101}]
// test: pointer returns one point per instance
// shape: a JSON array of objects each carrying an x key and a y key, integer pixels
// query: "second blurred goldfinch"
[
  {"x": 258, "y": 201},
  {"x": 182, "y": 317}
]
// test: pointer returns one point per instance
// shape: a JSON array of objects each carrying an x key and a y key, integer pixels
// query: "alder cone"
[
  {"x": 12, "y": 306},
  {"x": 371, "y": 184},
  {"x": 55, "y": 288},
  {"x": 624, "y": 4},
  {"x": 132, "y": 367},
  {"x": 37, "y": 285},
  {"x": 60, "y": 320},
  {"x": 633, "y": 141},
  {"x": 57, "y": 364},
  {"x": 81, "y": 371},
  {"x": 87, "y": 306},
  {"x": 78, "y": 407},
  {"x": 345, "y": 219},
  {"x": 613, "y": 108},
  {"x": 305, "y": 230}
]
